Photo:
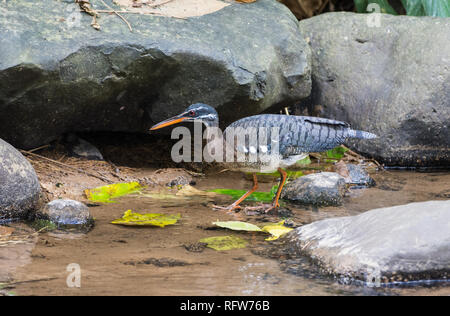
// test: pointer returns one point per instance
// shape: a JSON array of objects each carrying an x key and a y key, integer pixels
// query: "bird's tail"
[{"x": 360, "y": 134}]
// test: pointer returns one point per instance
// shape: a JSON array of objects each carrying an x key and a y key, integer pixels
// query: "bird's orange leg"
[
  {"x": 268, "y": 207},
  {"x": 235, "y": 205},
  {"x": 283, "y": 175}
]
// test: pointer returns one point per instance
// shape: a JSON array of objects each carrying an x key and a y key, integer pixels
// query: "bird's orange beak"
[{"x": 168, "y": 122}]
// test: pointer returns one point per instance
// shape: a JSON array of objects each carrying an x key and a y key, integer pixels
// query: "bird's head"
[{"x": 196, "y": 112}]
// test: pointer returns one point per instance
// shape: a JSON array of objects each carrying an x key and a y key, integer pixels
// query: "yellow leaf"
[
  {"x": 105, "y": 193},
  {"x": 153, "y": 219},
  {"x": 276, "y": 230},
  {"x": 224, "y": 242}
]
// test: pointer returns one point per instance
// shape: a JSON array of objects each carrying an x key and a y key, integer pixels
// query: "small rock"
[
  {"x": 359, "y": 176},
  {"x": 326, "y": 188},
  {"x": 68, "y": 213},
  {"x": 83, "y": 149},
  {"x": 406, "y": 242},
  {"x": 171, "y": 177},
  {"x": 180, "y": 180},
  {"x": 195, "y": 247}
]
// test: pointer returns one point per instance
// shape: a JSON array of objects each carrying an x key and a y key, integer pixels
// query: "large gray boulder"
[
  {"x": 392, "y": 80},
  {"x": 400, "y": 243},
  {"x": 56, "y": 77},
  {"x": 19, "y": 186}
]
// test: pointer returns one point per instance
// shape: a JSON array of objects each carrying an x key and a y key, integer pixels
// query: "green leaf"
[
  {"x": 105, "y": 193},
  {"x": 291, "y": 174},
  {"x": 304, "y": 161},
  {"x": 385, "y": 7},
  {"x": 439, "y": 8},
  {"x": 236, "y": 225},
  {"x": 336, "y": 153},
  {"x": 153, "y": 219},
  {"x": 254, "y": 197},
  {"x": 222, "y": 243},
  {"x": 361, "y": 6},
  {"x": 413, "y": 7}
]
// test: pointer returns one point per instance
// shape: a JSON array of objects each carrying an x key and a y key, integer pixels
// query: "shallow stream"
[{"x": 117, "y": 260}]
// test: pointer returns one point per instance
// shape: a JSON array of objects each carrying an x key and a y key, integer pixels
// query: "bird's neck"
[{"x": 214, "y": 123}]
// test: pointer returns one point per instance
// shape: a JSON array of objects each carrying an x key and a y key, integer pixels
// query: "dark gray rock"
[
  {"x": 81, "y": 148},
  {"x": 325, "y": 188},
  {"x": 400, "y": 243},
  {"x": 67, "y": 213},
  {"x": 19, "y": 186},
  {"x": 392, "y": 80},
  {"x": 54, "y": 79}
]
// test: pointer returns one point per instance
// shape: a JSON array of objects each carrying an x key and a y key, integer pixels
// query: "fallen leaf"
[
  {"x": 189, "y": 190},
  {"x": 255, "y": 196},
  {"x": 237, "y": 225},
  {"x": 276, "y": 230},
  {"x": 335, "y": 154},
  {"x": 104, "y": 194},
  {"x": 342, "y": 169},
  {"x": 269, "y": 177},
  {"x": 224, "y": 242},
  {"x": 304, "y": 161},
  {"x": 153, "y": 219}
]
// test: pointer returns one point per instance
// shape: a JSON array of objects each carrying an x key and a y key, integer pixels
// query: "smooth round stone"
[{"x": 68, "y": 213}]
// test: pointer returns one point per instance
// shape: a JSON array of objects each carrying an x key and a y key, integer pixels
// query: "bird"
[{"x": 289, "y": 138}]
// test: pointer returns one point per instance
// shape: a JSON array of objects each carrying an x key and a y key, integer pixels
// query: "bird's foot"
[
  {"x": 261, "y": 208},
  {"x": 229, "y": 208}
]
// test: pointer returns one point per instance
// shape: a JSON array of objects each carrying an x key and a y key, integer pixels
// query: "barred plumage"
[{"x": 300, "y": 134}]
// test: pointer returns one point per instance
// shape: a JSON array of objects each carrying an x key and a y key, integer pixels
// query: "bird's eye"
[{"x": 192, "y": 113}]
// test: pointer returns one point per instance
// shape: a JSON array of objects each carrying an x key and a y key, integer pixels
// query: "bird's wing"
[
  {"x": 297, "y": 134},
  {"x": 313, "y": 135}
]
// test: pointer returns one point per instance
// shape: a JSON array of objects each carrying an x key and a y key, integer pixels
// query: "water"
[{"x": 154, "y": 261}]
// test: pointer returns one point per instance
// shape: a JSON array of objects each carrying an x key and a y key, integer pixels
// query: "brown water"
[{"x": 118, "y": 260}]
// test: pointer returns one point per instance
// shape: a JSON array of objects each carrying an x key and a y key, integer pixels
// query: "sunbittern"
[{"x": 295, "y": 137}]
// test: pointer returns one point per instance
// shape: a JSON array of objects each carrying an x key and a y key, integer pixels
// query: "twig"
[
  {"x": 157, "y": 4},
  {"x": 143, "y": 13},
  {"x": 352, "y": 153},
  {"x": 39, "y": 148},
  {"x": 66, "y": 165},
  {"x": 29, "y": 281},
  {"x": 119, "y": 15}
]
